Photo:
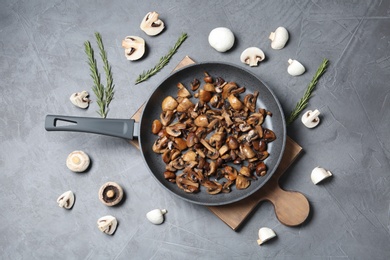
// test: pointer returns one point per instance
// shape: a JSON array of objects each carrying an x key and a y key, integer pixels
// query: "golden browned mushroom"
[{"x": 110, "y": 194}]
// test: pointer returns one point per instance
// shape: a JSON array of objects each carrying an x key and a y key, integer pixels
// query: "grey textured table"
[{"x": 42, "y": 62}]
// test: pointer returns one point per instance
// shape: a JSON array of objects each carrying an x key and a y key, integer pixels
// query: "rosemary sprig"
[
  {"x": 104, "y": 95},
  {"x": 109, "y": 89},
  {"x": 308, "y": 93},
  {"x": 163, "y": 61}
]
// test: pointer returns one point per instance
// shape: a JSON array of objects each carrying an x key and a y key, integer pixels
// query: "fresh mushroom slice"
[
  {"x": 107, "y": 224},
  {"x": 80, "y": 99},
  {"x": 66, "y": 200},
  {"x": 151, "y": 24},
  {"x": 77, "y": 161},
  {"x": 110, "y": 194},
  {"x": 134, "y": 47},
  {"x": 252, "y": 56}
]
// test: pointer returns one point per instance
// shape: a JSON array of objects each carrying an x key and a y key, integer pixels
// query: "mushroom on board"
[
  {"x": 134, "y": 47},
  {"x": 252, "y": 56},
  {"x": 151, "y": 25}
]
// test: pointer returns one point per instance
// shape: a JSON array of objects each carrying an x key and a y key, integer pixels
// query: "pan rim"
[{"x": 283, "y": 128}]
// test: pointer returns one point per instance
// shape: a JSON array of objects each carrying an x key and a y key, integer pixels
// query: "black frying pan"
[{"x": 127, "y": 128}]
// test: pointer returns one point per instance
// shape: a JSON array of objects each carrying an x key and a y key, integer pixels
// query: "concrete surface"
[{"x": 42, "y": 62}]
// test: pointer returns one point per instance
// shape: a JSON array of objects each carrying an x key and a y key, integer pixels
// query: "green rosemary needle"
[
  {"x": 104, "y": 95},
  {"x": 301, "y": 105},
  {"x": 109, "y": 89},
  {"x": 163, "y": 61}
]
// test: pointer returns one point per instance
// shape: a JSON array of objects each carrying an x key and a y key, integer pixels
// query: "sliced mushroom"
[
  {"x": 66, "y": 200},
  {"x": 107, "y": 224},
  {"x": 80, "y": 99},
  {"x": 151, "y": 24},
  {"x": 201, "y": 121},
  {"x": 184, "y": 105},
  {"x": 175, "y": 129},
  {"x": 110, "y": 194},
  {"x": 242, "y": 182},
  {"x": 166, "y": 117},
  {"x": 134, "y": 47},
  {"x": 77, "y": 161},
  {"x": 212, "y": 187},
  {"x": 252, "y": 56}
]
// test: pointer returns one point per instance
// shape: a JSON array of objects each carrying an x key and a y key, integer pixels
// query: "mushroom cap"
[
  {"x": 134, "y": 47},
  {"x": 221, "y": 39},
  {"x": 110, "y": 194},
  {"x": 77, "y": 161},
  {"x": 252, "y": 56},
  {"x": 151, "y": 25},
  {"x": 279, "y": 38}
]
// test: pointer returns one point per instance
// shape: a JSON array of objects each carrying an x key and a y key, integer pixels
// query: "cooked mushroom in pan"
[{"x": 212, "y": 137}]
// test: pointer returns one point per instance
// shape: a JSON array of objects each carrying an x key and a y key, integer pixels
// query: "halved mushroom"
[
  {"x": 156, "y": 126},
  {"x": 242, "y": 182},
  {"x": 166, "y": 117},
  {"x": 151, "y": 25},
  {"x": 230, "y": 173},
  {"x": 160, "y": 145},
  {"x": 235, "y": 103},
  {"x": 201, "y": 121},
  {"x": 189, "y": 156},
  {"x": 134, "y": 47},
  {"x": 184, "y": 105},
  {"x": 183, "y": 91},
  {"x": 169, "y": 103},
  {"x": 228, "y": 88},
  {"x": 252, "y": 56},
  {"x": 269, "y": 135},
  {"x": 247, "y": 151},
  {"x": 195, "y": 84},
  {"x": 261, "y": 169}
]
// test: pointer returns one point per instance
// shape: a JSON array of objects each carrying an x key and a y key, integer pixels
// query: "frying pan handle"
[{"x": 123, "y": 128}]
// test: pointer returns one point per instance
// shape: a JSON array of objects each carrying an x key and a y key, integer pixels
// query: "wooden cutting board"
[{"x": 291, "y": 207}]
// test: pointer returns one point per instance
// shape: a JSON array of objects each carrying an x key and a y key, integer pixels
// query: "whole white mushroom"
[{"x": 221, "y": 39}]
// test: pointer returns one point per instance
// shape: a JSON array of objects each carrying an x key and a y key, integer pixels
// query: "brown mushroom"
[
  {"x": 247, "y": 151},
  {"x": 235, "y": 103},
  {"x": 175, "y": 129},
  {"x": 166, "y": 117},
  {"x": 169, "y": 103},
  {"x": 183, "y": 91},
  {"x": 261, "y": 169},
  {"x": 242, "y": 182},
  {"x": 201, "y": 121},
  {"x": 156, "y": 126},
  {"x": 151, "y": 25},
  {"x": 195, "y": 84},
  {"x": 269, "y": 135},
  {"x": 110, "y": 194},
  {"x": 245, "y": 171},
  {"x": 189, "y": 156},
  {"x": 212, "y": 187}
]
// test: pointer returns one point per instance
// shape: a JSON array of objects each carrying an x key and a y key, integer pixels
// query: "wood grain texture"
[{"x": 291, "y": 207}]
